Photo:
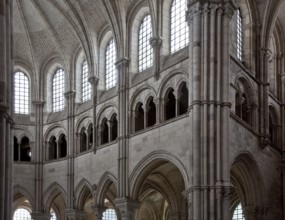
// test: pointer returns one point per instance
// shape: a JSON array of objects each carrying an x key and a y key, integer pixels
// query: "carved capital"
[
  {"x": 155, "y": 42},
  {"x": 127, "y": 206},
  {"x": 93, "y": 80},
  {"x": 69, "y": 94},
  {"x": 98, "y": 211},
  {"x": 122, "y": 63},
  {"x": 228, "y": 10},
  {"x": 39, "y": 103}
]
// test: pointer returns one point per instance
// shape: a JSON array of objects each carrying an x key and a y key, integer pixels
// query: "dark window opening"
[
  {"x": 62, "y": 147},
  {"x": 183, "y": 102},
  {"x": 114, "y": 133},
  {"x": 170, "y": 110},
  {"x": 139, "y": 118},
  {"x": 25, "y": 153},
  {"x": 90, "y": 133},
  {"x": 151, "y": 114},
  {"x": 105, "y": 135},
  {"x": 16, "y": 149},
  {"x": 52, "y": 148},
  {"x": 83, "y": 140}
]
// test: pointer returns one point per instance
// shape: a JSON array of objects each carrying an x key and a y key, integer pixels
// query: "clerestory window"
[
  {"x": 179, "y": 37},
  {"x": 237, "y": 35},
  {"x": 58, "y": 91},
  {"x": 145, "y": 59},
  {"x": 86, "y": 87},
  {"x": 21, "y": 93},
  {"x": 111, "y": 70}
]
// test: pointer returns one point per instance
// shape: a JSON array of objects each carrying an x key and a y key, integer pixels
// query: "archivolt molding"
[
  {"x": 82, "y": 190},
  {"x": 18, "y": 189},
  {"x": 142, "y": 95},
  {"x": 173, "y": 80},
  {"x": 146, "y": 164},
  {"x": 104, "y": 183},
  {"x": 84, "y": 121},
  {"x": 106, "y": 111},
  {"x": 51, "y": 193},
  {"x": 55, "y": 130},
  {"x": 247, "y": 179},
  {"x": 22, "y": 131}
]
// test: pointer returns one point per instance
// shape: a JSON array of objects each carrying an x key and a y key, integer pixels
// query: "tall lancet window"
[
  {"x": 111, "y": 71},
  {"x": 179, "y": 37},
  {"x": 58, "y": 91},
  {"x": 145, "y": 49},
  {"x": 237, "y": 35},
  {"x": 86, "y": 87},
  {"x": 21, "y": 93}
]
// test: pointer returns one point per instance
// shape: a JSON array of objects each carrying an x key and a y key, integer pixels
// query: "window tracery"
[
  {"x": 179, "y": 36},
  {"x": 21, "y": 93},
  {"x": 145, "y": 55},
  {"x": 86, "y": 86},
  {"x": 110, "y": 68},
  {"x": 58, "y": 91}
]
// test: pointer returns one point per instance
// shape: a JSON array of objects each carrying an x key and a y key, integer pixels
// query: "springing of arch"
[
  {"x": 145, "y": 55},
  {"x": 110, "y": 67},
  {"x": 21, "y": 93},
  {"x": 179, "y": 36},
  {"x": 86, "y": 86},
  {"x": 58, "y": 90}
]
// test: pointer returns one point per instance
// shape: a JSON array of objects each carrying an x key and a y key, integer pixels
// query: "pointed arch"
[
  {"x": 104, "y": 183},
  {"x": 51, "y": 193},
  {"x": 83, "y": 191},
  {"x": 20, "y": 194}
]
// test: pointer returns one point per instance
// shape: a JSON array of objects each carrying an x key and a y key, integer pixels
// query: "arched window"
[
  {"x": 58, "y": 91},
  {"x": 139, "y": 117},
  {"x": 21, "y": 93},
  {"x": 151, "y": 113},
  {"x": 86, "y": 86},
  {"x": 83, "y": 140},
  {"x": 110, "y": 68},
  {"x": 145, "y": 58},
  {"x": 170, "y": 105},
  {"x": 22, "y": 150},
  {"x": 183, "y": 100},
  {"x": 237, "y": 35},
  {"x": 104, "y": 131},
  {"x": 62, "y": 146},
  {"x": 25, "y": 152},
  {"x": 52, "y": 148},
  {"x": 238, "y": 213},
  {"x": 90, "y": 136},
  {"x": 273, "y": 126},
  {"x": 109, "y": 214},
  {"x": 16, "y": 149},
  {"x": 179, "y": 37},
  {"x": 22, "y": 214},
  {"x": 114, "y": 127}
]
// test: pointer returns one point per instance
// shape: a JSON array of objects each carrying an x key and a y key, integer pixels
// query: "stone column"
[
  {"x": 75, "y": 214},
  {"x": 94, "y": 82},
  {"x": 156, "y": 44},
  {"x": 70, "y": 97},
  {"x": 209, "y": 68},
  {"x": 40, "y": 216},
  {"x": 123, "y": 130},
  {"x": 263, "y": 98},
  {"x": 127, "y": 208},
  {"x": 39, "y": 154},
  {"x": 5, "y": 110}
]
